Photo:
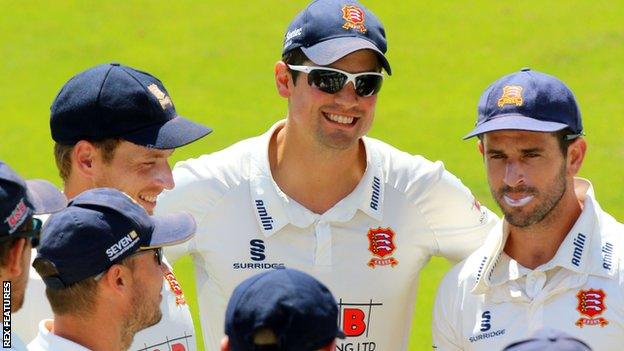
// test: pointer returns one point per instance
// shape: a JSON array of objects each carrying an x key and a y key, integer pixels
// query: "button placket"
[{"x": 323, "y": 253}]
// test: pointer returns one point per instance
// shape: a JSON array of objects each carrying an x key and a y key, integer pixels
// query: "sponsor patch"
[
  {"x": 355, "y": 319},
  {"x": 17, "y": 216},
  {"x": 381, "y": 244},
  {"x": 512, "y": 95},
  {"x": 354, "y": 17},
  {"x": 265, "y": 219},
  {"x": 591, "y": 303}
]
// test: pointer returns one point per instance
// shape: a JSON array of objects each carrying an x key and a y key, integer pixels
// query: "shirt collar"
[
  {"x": 50, "y": 341},
  {"x": 579, "y": 252},
  {"x": 274, "y": 209}
]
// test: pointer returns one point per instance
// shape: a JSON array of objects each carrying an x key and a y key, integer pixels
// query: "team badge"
[
  {"x": 591, "y": 303},
  {"x": 354, "y": 17},
  {"x": 512, "y": 95},
  {"x": 17, "y": 216},
  {"x": 381, "y": 244},
  {"x": 164, "y": 100},
  {"x": 175, "y": 288}
]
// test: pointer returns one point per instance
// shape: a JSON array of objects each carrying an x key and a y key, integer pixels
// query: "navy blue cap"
[
  {"x": 300, "y": 310},
  {"x": 327, "y": 30},
  {"x": 99, "y": 228},
  {"x": 116, "y": 101},
  {"x": 528, "y": 100},
  {"x": 20, "y": 199},
  {"x": 548, "y": 339}
]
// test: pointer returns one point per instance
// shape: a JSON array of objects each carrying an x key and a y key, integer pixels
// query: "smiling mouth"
[
  {"x": 518, "y": 202},
  {"x": 149, "y": 198},
  {"x": 340, "y": 119}
]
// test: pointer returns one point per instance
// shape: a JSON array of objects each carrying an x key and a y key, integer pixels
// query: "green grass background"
[{"x": 216, "y": 59}]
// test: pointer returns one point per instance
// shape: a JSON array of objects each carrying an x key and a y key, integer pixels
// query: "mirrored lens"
[
  {"x": 328, "y": 81},
  {"x": 368, "y": 84}
]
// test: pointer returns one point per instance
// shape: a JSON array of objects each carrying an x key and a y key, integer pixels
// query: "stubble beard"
[{"x": 146, "y": 314}]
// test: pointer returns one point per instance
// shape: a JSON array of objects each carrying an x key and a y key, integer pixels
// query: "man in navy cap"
[
  {"x": 19, "y": 233},
  {"x": 314, "y": 193},
  {"x": 556, "y": 259},
  {"x": 116, "y": 126},
  {"x": 101, "y": 261},
  {"x": 281, "y": 310}
]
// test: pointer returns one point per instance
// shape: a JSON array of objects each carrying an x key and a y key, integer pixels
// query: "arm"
[{"x": 444, "y": 325}]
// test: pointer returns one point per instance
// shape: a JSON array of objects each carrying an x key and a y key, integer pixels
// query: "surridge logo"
[
  {"x": 122, "y": 245},
  {"x": 512, "y": 95},
  {"x": 257, "y": 254},
  {"x": 265, "y": 219}
]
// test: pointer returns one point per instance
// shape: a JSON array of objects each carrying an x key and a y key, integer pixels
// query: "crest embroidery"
[
  {"x": 512, "y": 95},
  {"x": 354, "y": 17},
  {"x": 381, "y": 244},
  {"x": 591, "y": 303}
]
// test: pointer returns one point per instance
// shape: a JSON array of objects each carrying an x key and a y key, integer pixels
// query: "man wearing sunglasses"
[
  {"x": 115, "y": 126},
  {"x": 314, "y": 193},
  {"x": 101, "y": 261},
  {"x": 19, "y": 233}
]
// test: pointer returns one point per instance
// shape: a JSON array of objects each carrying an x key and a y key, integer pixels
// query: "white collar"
[
  {"x": 580, "y": 251},
  {"x": 50, "y": 341},
  {"x": 274, "y": 209}
]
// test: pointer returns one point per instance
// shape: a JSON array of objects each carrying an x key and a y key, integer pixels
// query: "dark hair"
[
  {"x": 6, "y": 245},
  {"x": 62, "y": 154},
  {"x": 294, "y": 57},
  {"x": 564, "y": 137}
]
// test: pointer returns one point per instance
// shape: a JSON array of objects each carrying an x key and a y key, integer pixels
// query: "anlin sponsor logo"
[
  {"x": 355, "y": 320},
  {"x": 6, "y": 314},
  {"x": 607, "y": 257},
  {"x": 374, "y": 204},
  {"x": 267, "y": 221},
  {"x": 579, "y": 246}
]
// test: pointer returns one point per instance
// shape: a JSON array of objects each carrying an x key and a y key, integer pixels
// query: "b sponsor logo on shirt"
[
  {"x": 381, "y": 244},
  {"x": 355, "y": 319},
  {"x": 257, "y": 254},
  {"x": 591, "y": 303}
]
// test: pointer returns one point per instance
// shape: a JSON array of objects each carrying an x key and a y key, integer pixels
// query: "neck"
[
  {"x": 93, "y": 332},
  {"x": 74, "y": 186},
  {"x": 537, "y": 244},
  {"x": 315, "y": 176}
]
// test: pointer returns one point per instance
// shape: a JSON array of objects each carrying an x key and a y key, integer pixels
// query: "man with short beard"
[
  {"x": 101, "y": 261},
  {"x": 19, "y": 233},
  {"x": 556, "y": 258}
]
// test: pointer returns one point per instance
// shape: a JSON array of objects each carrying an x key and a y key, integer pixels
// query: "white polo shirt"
[
  {"x": 368, "y": 249},
  {"x": 175, "y": 330},
  {"x": 489, "y": 301},
  {"x": 47, "y": 341}
]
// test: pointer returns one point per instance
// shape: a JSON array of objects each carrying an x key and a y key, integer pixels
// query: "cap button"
[
  {"x": 115, "y": 64},
  {"x": 524, "y": 69}
]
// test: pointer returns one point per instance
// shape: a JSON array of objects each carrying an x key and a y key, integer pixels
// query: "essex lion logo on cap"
[
  {"x": 591, "y": 303},
  {"x": 354, "y": 17},
  {"x": 381, "y": 244},
  {"x": 512, "y": 95},
  {"x": 164, "y": 100}
]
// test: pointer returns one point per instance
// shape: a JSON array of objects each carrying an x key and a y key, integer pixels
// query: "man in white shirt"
[
  {"x": 101, "y": 261},
  {"x": 115, "y": 126},
  {"x": 315, "y": 194},
  {"x": 556, "y": 259},
  {"x": 19, "y": 233}
]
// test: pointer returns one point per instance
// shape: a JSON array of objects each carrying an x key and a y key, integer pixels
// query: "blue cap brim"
[
  {"x": 332, "y": 50},
  {"x": 516, "y": 122},
  {"x": 174, "y": 133},
  {"x": 171, "y": 229},
  {"x": 45, "y": 197}
]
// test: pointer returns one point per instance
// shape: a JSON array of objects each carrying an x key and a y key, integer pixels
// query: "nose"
[
  {"x": 346, "y": 97},
  {"x": 164, "y": 178},
  {"x": 514, "y": 174}
]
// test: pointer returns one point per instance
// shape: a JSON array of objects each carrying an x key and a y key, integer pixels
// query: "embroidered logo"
[
  {"x": 591, "y": 303},
  {"x": 175, "y": 288},
  {"x": 512, "y": 95},
  {"x": 354, "y": 17},
  {"x": 164, "y": 100},
  {"x": 381, "y": 244},
  {"x": 267, "y": 221},
  {"x": 17, "y": 216},
  {"x": 374, "y": 203}
]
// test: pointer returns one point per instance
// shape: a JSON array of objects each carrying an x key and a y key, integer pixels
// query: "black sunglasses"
[
  {"x": 157, "y": 254},
  {"x": 331, "y": 80},
  {"x": 33, "y": 234}
]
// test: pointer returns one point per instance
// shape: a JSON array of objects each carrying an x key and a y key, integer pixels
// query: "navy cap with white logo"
[
  {"x": 99, "y": 228},
  {"x": 116, "y": 101},
  {"x": 20, "y": 199},
  {"x": 327, "y": 30},
  {"x": 301, "y": 311},
  {"x": 528, "y": 100}
]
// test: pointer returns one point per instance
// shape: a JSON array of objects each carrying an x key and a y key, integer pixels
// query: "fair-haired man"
[
  {"x": 19, "y": 233},
  {"x": 101, "y": 261},
  {"x": 280, "y": 310},
  {"x": 115, "y": 126},
  {"x": 556, "y": 259},
  {"x": 313, "y": 193}
]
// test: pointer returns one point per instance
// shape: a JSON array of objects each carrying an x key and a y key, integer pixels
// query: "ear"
[
  {"x": 576, "y": 155},
  {"x": 118, "y": 281},
  {"x": 282, "y": 79},
  {"x": 15, "y": 258},
  {"x": 225, "y": 344},
  {"x": 481, "y": 147},
  {"x": 84, "y": 159}
]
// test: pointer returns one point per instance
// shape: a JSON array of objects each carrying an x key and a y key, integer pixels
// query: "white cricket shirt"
[
  {"x": 368, "y": 248},
  {"x": 47, "y": 341},
  {"x": 490, "y": 301}
]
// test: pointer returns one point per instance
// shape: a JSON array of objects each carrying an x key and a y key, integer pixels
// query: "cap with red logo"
[{"x": 327, "y": 30}]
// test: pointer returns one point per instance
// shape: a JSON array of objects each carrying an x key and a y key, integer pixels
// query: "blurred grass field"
[{"x": 216, "y": 59}]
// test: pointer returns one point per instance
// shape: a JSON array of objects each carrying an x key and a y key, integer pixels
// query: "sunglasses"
[
  {"x": 33, "y": 234},
  {"x": 158, "y": 255},
  {"x": 331, "y": 80}
]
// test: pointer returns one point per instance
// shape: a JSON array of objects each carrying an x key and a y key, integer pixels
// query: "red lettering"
[
  {"x": 178, "y": 347},
  {"x": 353, "y": 322}
]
